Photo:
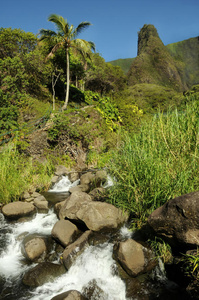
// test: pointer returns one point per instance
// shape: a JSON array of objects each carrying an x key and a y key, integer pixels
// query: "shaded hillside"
[
  {"x": 154, "y": 63},
  {"x": 124, "y": 64},
  {"x": 187, "y": 53}
]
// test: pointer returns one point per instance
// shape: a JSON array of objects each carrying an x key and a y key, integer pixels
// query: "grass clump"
[
  {"x": 19, "y": 173},
  {"x": 158, "y": 163}
]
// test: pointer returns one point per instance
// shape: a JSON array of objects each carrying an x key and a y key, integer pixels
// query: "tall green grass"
[
  {"x": 19, "y": 174},
  {"x": 158, "y": 163}
]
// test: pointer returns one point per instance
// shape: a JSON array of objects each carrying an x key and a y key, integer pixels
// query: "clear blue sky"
[{"x": 115, "y": 22}]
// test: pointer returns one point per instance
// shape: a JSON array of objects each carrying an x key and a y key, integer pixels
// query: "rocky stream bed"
[{"x": 69, "y": 244}]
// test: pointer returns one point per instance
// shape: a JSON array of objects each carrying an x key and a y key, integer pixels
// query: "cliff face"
[
  {"x": 186, "y": 53},
  {"x": 154, "y": 63}
]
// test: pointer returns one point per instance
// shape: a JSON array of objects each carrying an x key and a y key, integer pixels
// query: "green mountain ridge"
[{"x": 175, "y": 65}]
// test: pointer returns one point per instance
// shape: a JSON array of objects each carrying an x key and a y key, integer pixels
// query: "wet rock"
[
  {"x": 70, "y": 295},
  {"x": 61, "y": 170},
  {"x": 95, "y": 215},
  {"x": 134, "y": 258},
  {"x": 54, "y": 180},
  {"x": 35, "y": 194},
  {"x": 178, "y": 220},
  {"x": 75, "y": 249},
  {"x": 41, "y": 203},
  {"x": 87, "y": 178},
  {"x": 80, "y": 188},
  {"x": 73, "y": 176},
  {"x": 64, "y": 232},
  {"x": 72, "y": 204},
  {"x": 42, "y": 273},
  {"x": 93, "y": 291},
  {"x": 35, "y": 249},
  {"x": 16, "y": 210},
  {"x": 99, "y": 216}
]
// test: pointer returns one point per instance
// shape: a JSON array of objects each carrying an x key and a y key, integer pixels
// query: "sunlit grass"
[{"x": 158, "y": 163}]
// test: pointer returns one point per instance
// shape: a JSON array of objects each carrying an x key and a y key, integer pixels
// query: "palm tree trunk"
[{"x": 67, "y": 80}]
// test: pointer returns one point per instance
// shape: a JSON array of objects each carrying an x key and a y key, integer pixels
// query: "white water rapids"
[{"x": 95, "y": 267}]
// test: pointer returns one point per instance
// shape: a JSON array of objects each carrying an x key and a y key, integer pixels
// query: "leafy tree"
[
  {"x": 65, "y": 37},
  {"x": 103, "y": 77},
  {"x": 16, "y": 42}
]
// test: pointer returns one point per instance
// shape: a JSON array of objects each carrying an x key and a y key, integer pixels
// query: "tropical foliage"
[
  {"x": 66, "y": 37},
  {"x": 157, "y": 163}
]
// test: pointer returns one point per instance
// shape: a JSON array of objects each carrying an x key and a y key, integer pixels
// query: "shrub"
[{"x": 158, "y": 163}]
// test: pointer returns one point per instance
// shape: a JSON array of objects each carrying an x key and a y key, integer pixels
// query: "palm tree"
[{"x": 65, "y": 37}]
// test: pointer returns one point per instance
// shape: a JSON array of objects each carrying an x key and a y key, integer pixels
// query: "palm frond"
[
  {"x": 81, "y": 27},
  {"x": 60, "y": 23},
  {"x": 83, "y": 47},
  {"x": 46, "y": 34}
]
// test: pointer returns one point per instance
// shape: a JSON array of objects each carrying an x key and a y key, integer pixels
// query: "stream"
[{"x": 93, "y": 269}]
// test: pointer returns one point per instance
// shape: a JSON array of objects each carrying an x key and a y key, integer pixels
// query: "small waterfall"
[
  {"x": 64, "y": 185},
  {"x": 11, "y": 258},
  {"x": 93, "y": 271},
  {"x": 94, "y": 266}
]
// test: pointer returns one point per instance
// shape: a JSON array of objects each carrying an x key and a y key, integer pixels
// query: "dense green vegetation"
[
  {"x": 19, "y": 173},
  {"x": 157, "y": 163},
  {"x": 124, "y": 63},
  {"x": 102, "y": 103}
]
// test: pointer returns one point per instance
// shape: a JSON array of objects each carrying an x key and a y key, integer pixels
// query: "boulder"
[
  {"x": 58, "y": 207},
  {"x": 72, "y": 204},
  {"x": 70, "y": 295},
  {"x": 87, "y": 178},
  {"x": 64, "y": 232},
  {"x": 80, "y": 188},
  {"x": 18, "y": 209},
  {"x": 178, "y": 220},
  {"x": 61, "y": 170},
  {"x": 96, "y": 215},
  {"x": 134, "y": 258},
  {"x": 73, "y": 176},
  {"x": 93, "y": 291},
  {"x": 73, "y": 250},
  {"x": 42, "y": 273},
  {"x": 35, "y": 249},
  {"x": 41, "y": 203}
]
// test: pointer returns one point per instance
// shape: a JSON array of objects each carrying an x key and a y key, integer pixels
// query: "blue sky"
[{"x": 115, "y": 22}]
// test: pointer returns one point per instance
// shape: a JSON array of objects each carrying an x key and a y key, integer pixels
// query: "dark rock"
[
  {"x": 178, "y": 220},
  {"x": 42, "y": 273},
  {"x": 134, "y": 258},
  {"x": 75, "y": 249}
]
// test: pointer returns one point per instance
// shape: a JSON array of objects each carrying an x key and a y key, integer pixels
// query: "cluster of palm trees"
[{"x": 65, "y": 37}]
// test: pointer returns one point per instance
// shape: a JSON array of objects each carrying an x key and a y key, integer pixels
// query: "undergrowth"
[
  {"x": 158, "y": 163},
  {"x": 19, "y": 173}
]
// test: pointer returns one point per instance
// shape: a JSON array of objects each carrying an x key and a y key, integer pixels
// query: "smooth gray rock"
[
  {"x": 64, "y": 232},
  {"x": 18, "y": 209}
]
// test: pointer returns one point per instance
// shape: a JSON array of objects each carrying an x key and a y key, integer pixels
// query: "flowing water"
[{"x": 94, "y": 270}]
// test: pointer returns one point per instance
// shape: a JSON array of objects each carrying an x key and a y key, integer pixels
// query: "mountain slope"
[
  {"x": 187, "y": 53},
  {"x": 183, "y": 56},
  {"x": 124, "y": 64},
  {"x": 154, "y": 63}
]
